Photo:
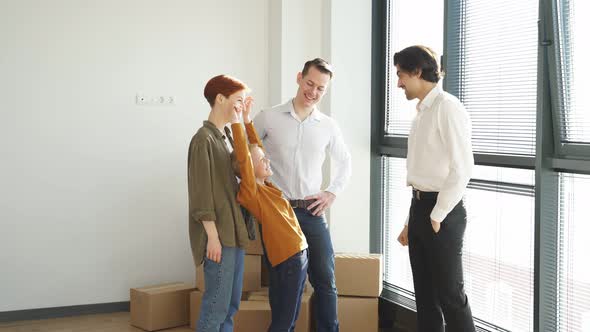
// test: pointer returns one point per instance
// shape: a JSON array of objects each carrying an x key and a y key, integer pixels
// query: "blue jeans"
[
  {"x": 287, "y": 281},
  {"x": 223, "y": 291},
  {"x": 321, "y": 269}
]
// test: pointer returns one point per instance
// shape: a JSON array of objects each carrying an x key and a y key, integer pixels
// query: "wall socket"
[{"x": 141, "y": 99}]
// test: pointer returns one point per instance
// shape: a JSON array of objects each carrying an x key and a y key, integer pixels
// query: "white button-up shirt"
[
  {"x": 440, "y": 156},
  {"x": 297, "y": 149}
]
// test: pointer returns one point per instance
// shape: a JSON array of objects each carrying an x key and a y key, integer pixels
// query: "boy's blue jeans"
[
  {"x": 287, "y": 281},
  {"x": 320, "y": 269}
]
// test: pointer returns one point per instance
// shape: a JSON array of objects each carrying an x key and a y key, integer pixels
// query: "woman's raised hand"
[{"x": 248, "y": 104}]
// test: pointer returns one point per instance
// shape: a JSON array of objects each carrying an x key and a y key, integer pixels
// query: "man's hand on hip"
[{"x": 323, "y": 200}]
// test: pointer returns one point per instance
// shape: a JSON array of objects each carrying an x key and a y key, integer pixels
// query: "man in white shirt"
[
  {"x": 297, "y": 137},
  {"x": 439, "y": 166}
]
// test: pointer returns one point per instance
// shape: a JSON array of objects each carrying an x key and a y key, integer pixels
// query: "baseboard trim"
[{"x": 57, "y": 312}]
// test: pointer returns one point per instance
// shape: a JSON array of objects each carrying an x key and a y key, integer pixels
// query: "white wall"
[
  {"x": 296, "y": 35},
  {"x": 350, "y": 105},
  {"x": 93, "y": 196}
]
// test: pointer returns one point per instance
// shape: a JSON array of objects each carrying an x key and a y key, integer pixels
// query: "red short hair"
[{"x": 222, "y": 84}]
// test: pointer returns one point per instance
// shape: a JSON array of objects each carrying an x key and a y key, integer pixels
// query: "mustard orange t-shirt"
[{"x": 282, "y": 234}]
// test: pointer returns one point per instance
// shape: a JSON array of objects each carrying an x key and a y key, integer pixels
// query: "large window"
[{"x": 521, "y": 70}]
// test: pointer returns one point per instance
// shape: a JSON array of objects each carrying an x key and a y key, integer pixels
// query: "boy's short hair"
[{"x": 234, "y": 159}]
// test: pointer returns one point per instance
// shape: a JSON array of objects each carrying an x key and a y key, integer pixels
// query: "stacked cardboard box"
[
  {"x": 170, "y": 305},
  {"x": 359, "y": 281},
  {"x": 254, "y": 315},
  {"x": 358, "y": 278},
  {"x": 160, "y": 306},
  {"x": 304, "y": 320}
]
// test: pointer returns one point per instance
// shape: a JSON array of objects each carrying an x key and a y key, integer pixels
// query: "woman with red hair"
[{"x": 217, "y": 229}]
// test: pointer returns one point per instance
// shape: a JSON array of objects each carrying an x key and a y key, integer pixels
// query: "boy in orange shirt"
[{"x": 284, "y": 241}]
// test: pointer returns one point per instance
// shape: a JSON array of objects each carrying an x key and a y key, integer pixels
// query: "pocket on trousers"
[{"x": 295, "y": 263}]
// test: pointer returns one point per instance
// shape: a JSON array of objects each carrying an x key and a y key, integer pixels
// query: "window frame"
[{"x": 564, "y": 151}]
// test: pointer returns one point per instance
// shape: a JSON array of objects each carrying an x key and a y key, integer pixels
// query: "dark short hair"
[
  {"x": 224, "y": 85},
  {"x": 415, "y": 58},
  {"x": 320, "y": 64}
]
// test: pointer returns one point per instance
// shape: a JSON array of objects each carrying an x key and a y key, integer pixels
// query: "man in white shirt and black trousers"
[
  {"x": 297, "y": 138},
  {"x": 439, "y": 166}
]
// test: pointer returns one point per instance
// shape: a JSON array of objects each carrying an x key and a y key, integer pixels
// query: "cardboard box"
[
  {"x": 260, "y": 295},
  {"x": 252, "y": 274},
  {"x": 304, "y": 320},
  {"x": 195, "y": 304},
  {"x": 307, "y": 288},
  {"x": 359, "y": 274},
  {"x": 358, "y": 314},
  {"x": 255, "y": 247},
  {"x": 160, "y": 306},
  {"x": 253, "y": 316}
]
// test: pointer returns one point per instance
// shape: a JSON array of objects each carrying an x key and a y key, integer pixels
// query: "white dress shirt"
[
  {"x": 297, "y": 149},
  {"x": 440, "y": 157}
]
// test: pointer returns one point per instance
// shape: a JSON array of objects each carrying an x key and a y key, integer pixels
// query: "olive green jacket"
[{"x": 212, "y": 191}]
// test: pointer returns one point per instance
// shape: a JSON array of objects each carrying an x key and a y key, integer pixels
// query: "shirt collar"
[
  {"x": 214, "y": 129},
  {"x": 430, "y": 97},
  {"x": 314, "y": 115}
]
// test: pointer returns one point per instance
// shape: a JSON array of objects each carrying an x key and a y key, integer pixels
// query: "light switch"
[{"x": 144, "y": 100}]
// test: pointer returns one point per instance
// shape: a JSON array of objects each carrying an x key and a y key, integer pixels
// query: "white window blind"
[
  {"x": 499, "y": 247},
  {"x": 572, "y": 26},
  {"x": 396, "y": 198},
  {"x": 573, "y": 290},
  {"x": 492, "y": 68}
]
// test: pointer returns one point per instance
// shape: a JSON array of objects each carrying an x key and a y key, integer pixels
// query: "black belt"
[
  {"x": 420, "y": 195},
  {"x": 301, "y": 203}
]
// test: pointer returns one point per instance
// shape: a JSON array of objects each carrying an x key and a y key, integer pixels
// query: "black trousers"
[{"x": 437, "y": 269}]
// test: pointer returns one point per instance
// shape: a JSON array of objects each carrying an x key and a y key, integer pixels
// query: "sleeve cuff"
[
  {"x": 334, "y": 190},
  {"x": 438, "y": 214},
  {"x": 204, "y": 216}
]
